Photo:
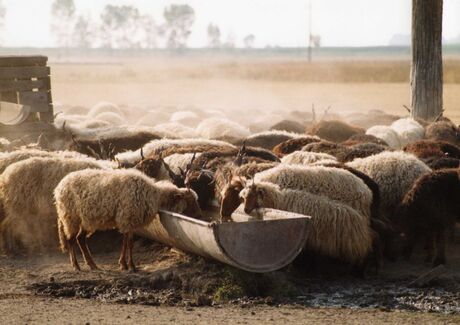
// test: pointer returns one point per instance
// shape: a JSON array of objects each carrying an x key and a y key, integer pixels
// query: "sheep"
[
  {"x": 92, "y": 200},
  {"x": 289, "y": 146},
  {"x": 26, "y": 191},
  {"x": 104, "y": 107},
  {"x": 110, "y": 117},
  {"x": 7, "y": 159},
  {"x": 212, "y": 128},
  {"x": 334, "y": 130},
  {"x": 305, "y": 158},
  {"x": 371, "y": 118},
  {"x": 387, "y": 134},
  {"x": 336, "y": 229},
  {"x": 428, "y": 209},
  {"x": 432, "y": 148},
  {"x": 395, "y": 173},
  {"x": 443, "y": 131},
  {"x": 436, "y": 163},
  {"x": 187, "y": 118},
  {"x": 289, "y": 126},
  {"x": 408, "y": 130},
  {"x": 361, "y": 150},
  {"x": 269, "y": 139},
  {"x": 334, "y": 149},
  {"x": 175, "y": 130},
  {"x": 364, "y": 138},
  {"x": 78, "y": 110},
  {"x": 155, "y": 147},
  {"x": 153, "y": 117},
  {"x": 334, "y": 183}
]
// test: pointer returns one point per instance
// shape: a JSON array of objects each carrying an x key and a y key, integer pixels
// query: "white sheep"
[
  {"x": 409, "y": 130},
  {"x": 307, "y": 158},
  {"x": 175, "y": 130},
  {"x": 395, "y": 172},
  {"x": 218, "y": 128},
  {"x": 187, "y": 118},
  {"x": 387, "y": 134},
  {"x": 110, "y": 117},
  {"x": 153, "y": 117},
  {"x": 103, "y": 107},
  {"x": 92, "y": 200},
  {"x": 155, "y": 147},
  {"x": 334, "y": 183},
  {"x": 26, "y": 193},
  {"x": 178, "y": 162},
  {"x": 336, "y": 229}
]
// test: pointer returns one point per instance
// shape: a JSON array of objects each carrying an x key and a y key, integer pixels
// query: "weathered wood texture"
[
  {"x": 426, "y": 69},
  {"x": 26, "y": 80}
]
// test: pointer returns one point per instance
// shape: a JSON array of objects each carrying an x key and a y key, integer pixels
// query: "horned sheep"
[{"x": 92, "y": 200}]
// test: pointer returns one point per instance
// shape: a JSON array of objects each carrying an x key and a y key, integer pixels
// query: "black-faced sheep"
[
  {"x": 334, "y": 130},
  {"x": 289, "y": 146},
  {"x": 26, "y": 190},
  {"x": 92, "y": 200},
  {"x": 429, "y": 208}
]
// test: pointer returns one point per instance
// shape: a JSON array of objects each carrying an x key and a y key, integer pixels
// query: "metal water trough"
[{"x": 255, "y": 246}]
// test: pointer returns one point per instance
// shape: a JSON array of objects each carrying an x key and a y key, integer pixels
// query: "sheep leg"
[
  {"x": 122, "y": 259},
  {"x": 440, "y": 248},
  {"x": 429, "y": 247},
  {"x": 81, "y": 240},
  {"x": 130, "y": 244},
  {"x": 73, "y": 257}
]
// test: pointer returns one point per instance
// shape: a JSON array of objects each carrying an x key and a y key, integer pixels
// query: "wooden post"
[{"x": 426, "y": 69}]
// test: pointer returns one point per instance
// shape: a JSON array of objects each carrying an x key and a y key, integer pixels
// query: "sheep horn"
[
  {"x": 142, "y": 153},
  {"x": 94, "y": 153},
  {"x": 439, "y": 116},
  {"x": 56, "y": 114},
  {"x": 118, "y": 162},
  {"x": 63, "y": 126},
  {"x": 407, "y": 108}
]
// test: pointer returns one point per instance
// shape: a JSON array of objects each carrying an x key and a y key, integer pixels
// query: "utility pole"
[{"x": 309, "y": 31}]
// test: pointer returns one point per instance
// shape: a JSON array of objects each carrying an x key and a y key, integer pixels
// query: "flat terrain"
[{"x": 235, "y": 85}]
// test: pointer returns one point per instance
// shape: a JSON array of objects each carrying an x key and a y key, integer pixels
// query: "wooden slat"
[
  {"x": 23, "y": 61},
  {"x": 21, "y": 85},
  {"x": 24, "y": 72},
  {"x": 37, "y": 100}
]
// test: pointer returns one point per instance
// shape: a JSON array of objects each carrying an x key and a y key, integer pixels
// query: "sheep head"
[
  {"x": 231, "y": 197},
  {"x": 150, "y": 167},
  {"x": 192, "y": 207},
  {"x": 202, "y": 182}
]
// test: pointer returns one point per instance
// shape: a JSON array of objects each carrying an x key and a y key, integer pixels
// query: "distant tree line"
[{"x": 125, "y": 27}]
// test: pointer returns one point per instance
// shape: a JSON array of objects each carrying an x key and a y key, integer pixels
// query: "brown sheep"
[
  {"x": 334, "y": 149},
  {"x": 436, "y": 163},
  {"x": 361, "y": 150},
  {"x": 289, "y": 146},
  {"x": 432, "y": 148},
  {"x": 443, "y": 131},
  {"x": 428, "y": 209},
  {"x": 289, "y": 126},
  {"x": 269, "y": 139},
  {"x": 363, "y": 138},
  {"x": 334, "y": 130}
]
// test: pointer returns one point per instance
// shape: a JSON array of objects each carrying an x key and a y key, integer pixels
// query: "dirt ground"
[{"x": 175, "y": 287}]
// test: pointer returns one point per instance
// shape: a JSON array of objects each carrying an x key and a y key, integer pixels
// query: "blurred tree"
[
  {"x": 230, "y": 41},
  {"x": 150, "y": 31},
  {"x": 213, "y": 36},
  {"x": 121, "y": 27},
  {"x": 178, "y": 21},
  {"x": 249, "y": 41},
  {"x": 2, "y": 18},
  {"x": 426, "y": 69},
  {"x": 63, "y": 12},
  {"x": 83, "y": 33}
]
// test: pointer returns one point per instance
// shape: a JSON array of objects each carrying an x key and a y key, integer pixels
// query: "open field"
[{"x": 239, "y": 84}]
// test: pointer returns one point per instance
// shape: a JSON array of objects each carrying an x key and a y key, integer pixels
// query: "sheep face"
[
  {"x": 231, "y": 197},
  {"x": 202, "y": 182},
  {"x": 192, "y": 208},
  {"x": 252, "y": 197},
  {"x": 150, "y": 167}
]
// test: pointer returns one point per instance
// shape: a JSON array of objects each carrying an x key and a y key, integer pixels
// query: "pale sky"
[{"x": 273, "y": 22}]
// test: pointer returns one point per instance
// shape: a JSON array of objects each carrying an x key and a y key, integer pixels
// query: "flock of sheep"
[{"x": 374, "y": 184}]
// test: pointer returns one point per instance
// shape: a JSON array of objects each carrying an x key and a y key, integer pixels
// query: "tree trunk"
[{"x": 426, "y": 69}]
